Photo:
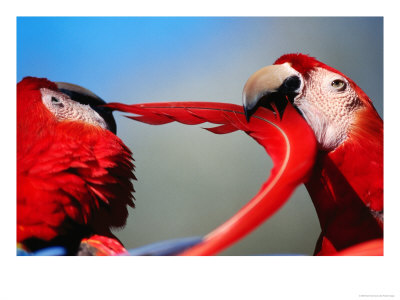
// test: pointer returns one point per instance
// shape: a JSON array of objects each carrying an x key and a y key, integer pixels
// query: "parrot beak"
[
  {"x": 274, "y": 84},
  {"x": 87, "y": 97}
]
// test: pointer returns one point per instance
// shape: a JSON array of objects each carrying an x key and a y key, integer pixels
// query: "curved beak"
[
  {"x": 87, "y": 97},
  {"x": 270, "y": 84}
]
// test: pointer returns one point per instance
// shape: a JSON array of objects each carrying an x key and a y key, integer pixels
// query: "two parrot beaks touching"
[{"x": 74, "y": 175}]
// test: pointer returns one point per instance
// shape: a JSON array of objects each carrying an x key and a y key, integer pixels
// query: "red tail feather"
[{"x": 289, "y": 141}]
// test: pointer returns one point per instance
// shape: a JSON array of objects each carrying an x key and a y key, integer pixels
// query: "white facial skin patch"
[
  {"x": 65, "y": 109},
  {"x": 328, "y": 103}
]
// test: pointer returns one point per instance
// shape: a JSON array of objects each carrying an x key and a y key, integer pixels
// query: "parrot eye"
[
  {"x": 56, "y": 101},
  {"x": 338, "y": 84}
]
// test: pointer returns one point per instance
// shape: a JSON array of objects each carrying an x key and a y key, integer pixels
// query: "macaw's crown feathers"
[
  {"x": 303, "y": 63},
  {"x": 35, "y": 84}
]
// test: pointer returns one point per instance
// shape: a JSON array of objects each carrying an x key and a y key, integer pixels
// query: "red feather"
[
  {"x": 303, "y": 63},
  {"x": 289, "y": 141}
]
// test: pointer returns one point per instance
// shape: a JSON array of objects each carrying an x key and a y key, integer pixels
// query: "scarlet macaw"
[
  {"x": 346, "y": 185},
  {"x": 73, "y": 173},
  {"x": 345, "y": 179}
]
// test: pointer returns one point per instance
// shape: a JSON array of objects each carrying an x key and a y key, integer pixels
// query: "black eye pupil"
[{"x": 54, "y": 100}]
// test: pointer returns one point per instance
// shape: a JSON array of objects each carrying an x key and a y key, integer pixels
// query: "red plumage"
[
  {"x": 288, "y": 140},
  {"x": 73, "y": 178},
  {"x": 303, "y": 63}
]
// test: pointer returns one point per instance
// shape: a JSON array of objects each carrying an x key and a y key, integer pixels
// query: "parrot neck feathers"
[
  {"x": 347, "y": 183},
  {"x": 360, "y": 157}
]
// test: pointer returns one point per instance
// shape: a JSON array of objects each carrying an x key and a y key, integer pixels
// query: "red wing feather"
[{"x": 288, "y": 140}]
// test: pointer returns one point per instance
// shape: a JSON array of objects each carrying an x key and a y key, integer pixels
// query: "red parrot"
[
  {"x": 341, "y": 165},
  {"x": 346, "y": 185},
  {"x": 73, "y": 173}
]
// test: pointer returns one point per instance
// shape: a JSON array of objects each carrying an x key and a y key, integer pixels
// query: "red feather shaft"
[{"x": 289, "y": 141}]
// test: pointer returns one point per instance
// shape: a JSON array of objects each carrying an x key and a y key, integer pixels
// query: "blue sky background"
[{"x": 189, "y": 180}]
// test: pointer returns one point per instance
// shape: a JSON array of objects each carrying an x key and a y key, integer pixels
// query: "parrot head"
[
  {"x": 73, "y": 173},
  {"x": 332, "y": 104}
]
